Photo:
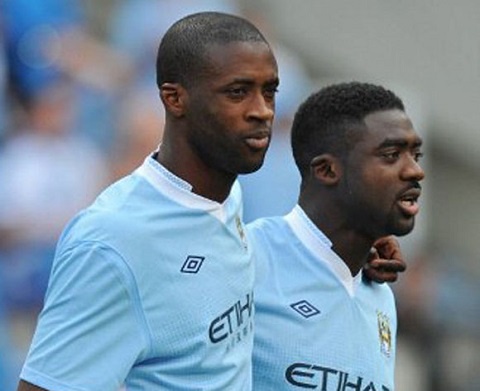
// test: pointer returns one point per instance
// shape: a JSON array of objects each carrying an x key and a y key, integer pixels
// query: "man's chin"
[
  {"x": 403, "y": 229},
  {"x": 251, "y": 168}
]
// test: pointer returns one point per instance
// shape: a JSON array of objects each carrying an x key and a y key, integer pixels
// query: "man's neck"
[
  {"x": 352, "y": 248},
  {"x": 205, "y": 181}
]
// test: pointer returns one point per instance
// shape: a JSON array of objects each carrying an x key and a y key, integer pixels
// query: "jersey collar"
[
  {"x": 321, "y": 247},
  {"x": 180, "y": 190}
]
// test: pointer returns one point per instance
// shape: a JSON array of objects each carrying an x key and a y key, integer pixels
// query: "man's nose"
[
  {"x": 261, "y": 108},
  {"x": 413, "y": 170}
]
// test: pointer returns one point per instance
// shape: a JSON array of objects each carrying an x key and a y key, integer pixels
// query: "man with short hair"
[
  {"x": 152, "y": 285},
  {"x": 318, "y": 323}
]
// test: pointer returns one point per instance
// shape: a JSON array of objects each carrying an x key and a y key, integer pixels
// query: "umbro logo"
[
  {"x": 192, "y": 264},
  {"x": 304, "y": 308}
]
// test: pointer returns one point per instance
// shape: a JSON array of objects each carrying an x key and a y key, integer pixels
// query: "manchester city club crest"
[{"x": 384, "y": 333}]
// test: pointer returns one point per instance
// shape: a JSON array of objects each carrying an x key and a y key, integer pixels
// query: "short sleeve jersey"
[
  {"x": 151, "y": 287},
  {"x": 316, "y": 326}
]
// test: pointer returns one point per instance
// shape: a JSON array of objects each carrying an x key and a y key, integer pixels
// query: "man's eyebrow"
[
  {"x": 400, "y": 142},
  {"x": 242, "y": 80},
  {"x": 246, "y": 80},
  {"x": 273, "y": 82}
]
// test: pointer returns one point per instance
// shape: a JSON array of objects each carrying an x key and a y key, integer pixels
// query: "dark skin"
[
  {"x": 221, "y": 126},
  {"x": 25, "y": 386},
  {"x": 368, "y": 194},
  {"x": 385, "y": 261},
  {"x": 236, "y": 101}
]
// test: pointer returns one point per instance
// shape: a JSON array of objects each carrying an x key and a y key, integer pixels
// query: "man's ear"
[
  {"x": 326, "y": 168},
  {"x": 174, "y": 98}
]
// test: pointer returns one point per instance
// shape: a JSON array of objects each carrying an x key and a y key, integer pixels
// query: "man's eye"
[
  {"x": 237, "y": 91},
  {"x": 391, "y": 155},
  {"x": 418, "y": 155},
  {"x": 270, "y": 92}
]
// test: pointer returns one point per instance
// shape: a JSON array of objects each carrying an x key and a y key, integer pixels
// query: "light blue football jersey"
[
  {"x": 316, "y": 326},
  {"x": 151, "y": 287}
]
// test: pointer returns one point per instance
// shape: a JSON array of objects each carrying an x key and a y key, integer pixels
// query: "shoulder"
[
  {"x": 267, "y": 236},
  {"x": 269, "y": 233},
  {"x": 116, "y": 212},
  {"x": 263, "y": 232},
  {"x": 263, "y": 227}
]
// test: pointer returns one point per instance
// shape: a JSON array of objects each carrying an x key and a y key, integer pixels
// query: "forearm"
[{"x": 25, "y": 386}]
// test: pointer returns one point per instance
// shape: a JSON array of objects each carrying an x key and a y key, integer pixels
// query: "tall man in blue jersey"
[
  {"x": 319, "y": 324},
  {"x": 152, "y": 285}
]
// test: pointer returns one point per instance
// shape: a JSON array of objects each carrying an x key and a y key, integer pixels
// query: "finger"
[
  {"x": 381, "y": 276},
  {"x": 388, "y": 248},
  {"x": 388, "y": 277},
  {"x": 391, "y": 265},
  {"x": 373, "y": 254}
]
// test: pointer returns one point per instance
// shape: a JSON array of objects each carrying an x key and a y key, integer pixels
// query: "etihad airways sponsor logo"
[
  {"x": 310, "y": 376},
  {"x": 234, "y": 323}
]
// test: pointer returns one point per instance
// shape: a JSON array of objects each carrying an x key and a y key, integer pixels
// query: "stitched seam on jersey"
[
  {"x": 133, "y": 290},
  {"x": 155, "y": 174},
  {"x": 320, "y": 244},
  {"x": 182, "y": 184},
  {"x": 31, "y": 375}
]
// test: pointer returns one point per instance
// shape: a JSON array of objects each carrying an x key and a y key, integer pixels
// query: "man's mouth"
[
  {"x": 408, "y": 202},
  {"x": 259, "y": 141}
]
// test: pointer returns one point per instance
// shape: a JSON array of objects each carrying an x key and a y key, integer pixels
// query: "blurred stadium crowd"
[{"x": 79, "y": 108}]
